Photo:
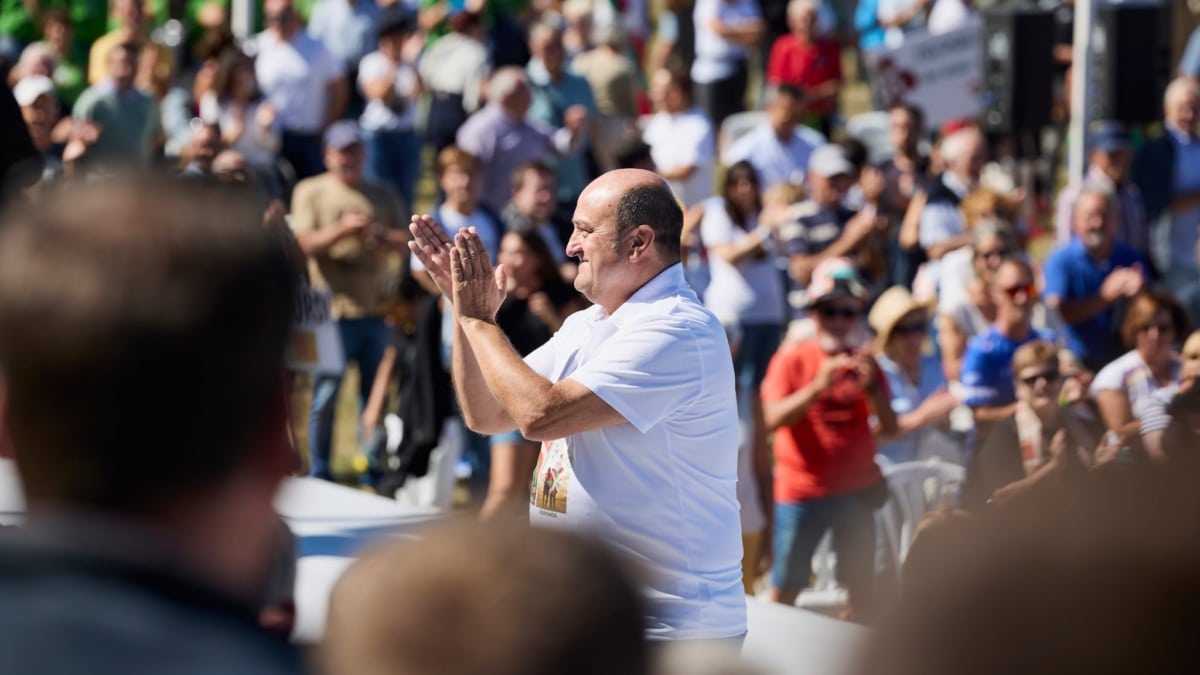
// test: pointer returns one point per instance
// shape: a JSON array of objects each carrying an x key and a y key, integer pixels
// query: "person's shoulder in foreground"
[
  {"x": 88, "y": 597},
  {"x": 143, "y": 328}
]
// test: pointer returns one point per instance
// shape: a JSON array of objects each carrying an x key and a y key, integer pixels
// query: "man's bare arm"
[{"x": 542, "y": 410}]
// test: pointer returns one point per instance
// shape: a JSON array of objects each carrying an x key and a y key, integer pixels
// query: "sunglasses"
[
  {"x": 1050, "y": 376},
  {"x": 909, "y": 329},
  {"x": 841, "y": 312},
  {"x": 998, "y": 254},
  {"x": 1013, "y": 291}
]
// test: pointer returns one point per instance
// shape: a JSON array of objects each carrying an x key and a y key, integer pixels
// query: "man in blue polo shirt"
[
  {"x": 1088, "y": 276},
  {"x": 987, "y": 363}
]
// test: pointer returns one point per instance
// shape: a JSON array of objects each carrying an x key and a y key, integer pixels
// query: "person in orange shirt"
[{"x": 819, "y": 396}]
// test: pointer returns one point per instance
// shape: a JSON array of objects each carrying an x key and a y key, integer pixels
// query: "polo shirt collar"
[
  {"x": 956, "y": 186},
  {"x": 668, "y": 282},
  {"x": 538, "y": 75},
  {"x": 1179, "y": 136}
]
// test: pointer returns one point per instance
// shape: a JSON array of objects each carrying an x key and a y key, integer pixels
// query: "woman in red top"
[{"x": 809, "y": 62}]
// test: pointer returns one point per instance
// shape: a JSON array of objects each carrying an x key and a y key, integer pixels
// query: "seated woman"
[
  {"x": 1019, "y": 445},
  {"x": 538, "y": 302},
  {"x": 920, "y": 397},
  {"x": 1153, "y": 414},
  {"x": 1153, "y": 323}
]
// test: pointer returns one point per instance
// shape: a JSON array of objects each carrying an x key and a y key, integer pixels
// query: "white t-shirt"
[
  {"x": 377, "y": 116},
  {"x": 682, "y": 140},
  {"x": 662, "y": 487},
  {"x": 957, "y": 272},
  {"x": 295, "y": 78},
  {"x": 717, "y": 57},
  {"x": 1130, "y": 374},
  {"x": 749, "y": 292},
  {"x": 257, "y": 145},
  {"x": 776, "y": 162}
]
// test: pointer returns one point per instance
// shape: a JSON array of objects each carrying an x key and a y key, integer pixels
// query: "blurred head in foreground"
[
  {"x": 1096, "y": 576},
  {"x": 143, "y": 325},
  {"x": 486, "y": 599}
]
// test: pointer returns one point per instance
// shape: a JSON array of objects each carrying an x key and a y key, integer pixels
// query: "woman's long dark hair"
[
  {"x": 547, "y": 270},
  {"x": 741, "y": 170},
  {"x": 228, "y": 63}
]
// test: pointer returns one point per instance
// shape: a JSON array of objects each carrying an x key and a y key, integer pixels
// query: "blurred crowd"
[{"x": 911, "y": 295}]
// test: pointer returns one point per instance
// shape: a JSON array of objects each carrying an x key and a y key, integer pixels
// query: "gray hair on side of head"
[
  {"x": 504, "y": 82},
  {"x": 1100, "y": 188},
  {"x": 993, "y": 227},
  {"x": 1181, "y": 86}
]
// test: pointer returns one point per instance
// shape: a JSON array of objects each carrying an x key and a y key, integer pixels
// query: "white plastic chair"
[{"x": 916, "y": 488}]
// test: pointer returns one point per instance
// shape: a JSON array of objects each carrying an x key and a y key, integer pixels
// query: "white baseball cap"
[{"x": 31, "y": 87}]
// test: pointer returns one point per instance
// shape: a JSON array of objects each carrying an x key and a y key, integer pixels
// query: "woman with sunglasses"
[
  {"x": 1154, "y": 323},
  {"x": 920, "y": 397},
  {"x": 1019, "y": 445}
]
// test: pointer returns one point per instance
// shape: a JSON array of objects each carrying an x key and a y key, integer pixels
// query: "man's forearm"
[
  {"x": 1077, "y": 311},
  {"x": 787, "y": 410},
  {"x": 482, "y": 412},
  {"x": 992, "y": 413},
  {"x": 315, "y": 242}
]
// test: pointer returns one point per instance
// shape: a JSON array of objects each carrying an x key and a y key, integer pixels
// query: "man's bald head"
[
  {"x": 640, "y": 197},
  {"x": 1181, "y": 104}
]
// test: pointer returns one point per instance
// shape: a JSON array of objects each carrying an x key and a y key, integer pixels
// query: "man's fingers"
[
  {"x": 429, "y": 232},
  {"x": 479, "y": 254},
  {"x": 501, "y": 278},
  {"x": 456, "y": 265},
  {"x": 462, "y": 249}
]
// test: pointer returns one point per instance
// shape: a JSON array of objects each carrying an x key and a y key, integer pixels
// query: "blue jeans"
[
  {"x": 363, "y": 341},
  {"x": 758, "y": 344},
  {"x": 394, "y": 160},
  {"x": 799, "y": 527}
]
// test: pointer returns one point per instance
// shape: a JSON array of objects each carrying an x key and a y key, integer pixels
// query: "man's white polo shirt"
[{"x": 661, "y": 488}]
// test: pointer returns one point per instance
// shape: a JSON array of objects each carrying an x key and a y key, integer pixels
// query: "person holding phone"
[{"x": 819, "y": 396}]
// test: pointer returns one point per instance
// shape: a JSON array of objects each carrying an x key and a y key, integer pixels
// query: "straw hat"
[{"x": 892, "y": 306}]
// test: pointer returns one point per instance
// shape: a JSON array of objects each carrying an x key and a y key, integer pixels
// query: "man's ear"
[{"x": 643, "y": 239}]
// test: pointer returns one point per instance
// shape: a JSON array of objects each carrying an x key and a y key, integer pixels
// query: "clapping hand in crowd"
[
  {"x": 83, "y": 135},
  {"x": 354, "y": 223},
  {"x": 1123, "y": 282},
  {"x": 575, "y": 118}
]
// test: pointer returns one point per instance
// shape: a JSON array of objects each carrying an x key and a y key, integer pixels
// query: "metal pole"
[
  {"x": 241, "y": 18},
  {"x": 1081, "y": 87}
]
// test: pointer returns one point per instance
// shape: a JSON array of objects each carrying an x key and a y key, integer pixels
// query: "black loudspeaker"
[
  {"x": 1131, "y": 66},
  {"x": 1017, "y": 69}
]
